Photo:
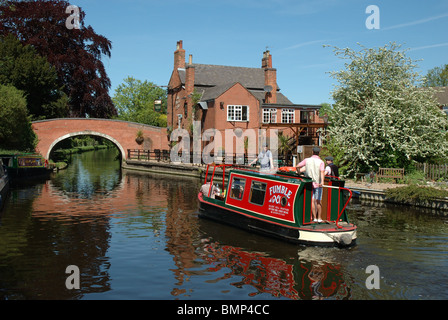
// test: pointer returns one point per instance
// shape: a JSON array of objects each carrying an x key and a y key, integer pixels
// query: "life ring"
[{"x": 287, "y": 169}]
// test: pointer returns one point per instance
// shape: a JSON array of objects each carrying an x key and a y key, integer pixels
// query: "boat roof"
[{"x": 278, "y": 175}]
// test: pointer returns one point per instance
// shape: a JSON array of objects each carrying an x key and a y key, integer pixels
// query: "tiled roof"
[
  {"x": 442, "y": 95},
  {"x": 214, "y": 75},
  {"x": 214, "y": 80}
]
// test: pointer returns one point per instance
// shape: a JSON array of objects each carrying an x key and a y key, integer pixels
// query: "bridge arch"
[
  {"x": 86, "y": 133},
  {"x": 122, "y": 133}
]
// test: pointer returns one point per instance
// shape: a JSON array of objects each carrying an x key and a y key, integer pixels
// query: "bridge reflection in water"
[{"x": 137, "y": 236}]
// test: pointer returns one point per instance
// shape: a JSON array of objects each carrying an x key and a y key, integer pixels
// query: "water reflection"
[{"x": 137, "y": 236}]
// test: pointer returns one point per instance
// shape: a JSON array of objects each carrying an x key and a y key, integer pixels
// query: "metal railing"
[{"x": 185, "y": 157}]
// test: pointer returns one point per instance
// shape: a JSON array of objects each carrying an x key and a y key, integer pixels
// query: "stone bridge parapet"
[{"x": 122, "y": 133}]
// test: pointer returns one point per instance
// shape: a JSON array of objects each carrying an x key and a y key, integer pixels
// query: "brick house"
[
  {"x": 227, "y": 97},
  {"x": 442, "y": 98}
]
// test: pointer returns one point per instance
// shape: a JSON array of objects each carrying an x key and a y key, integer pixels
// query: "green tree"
[
  {"x": 75, "y": 53},
  {"x": 380, "y": 118},
  {"x": 134, "y": 101},
  {"x": 16, "y": 132},
  {"x": 437, "y": 77},
  {"x": 23, "y": 68}
]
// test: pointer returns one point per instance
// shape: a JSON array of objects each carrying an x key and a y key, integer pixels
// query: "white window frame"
[
  {"x": 286, "y": 115},
  {"x": 269, "y": 114},
  {"x": 235, "y": 113}
]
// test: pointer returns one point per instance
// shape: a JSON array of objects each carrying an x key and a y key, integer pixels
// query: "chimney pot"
[{"x": 179, "y": 56}]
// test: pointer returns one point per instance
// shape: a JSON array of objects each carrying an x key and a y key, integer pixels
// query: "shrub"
[{"x": 413, "y": 194}]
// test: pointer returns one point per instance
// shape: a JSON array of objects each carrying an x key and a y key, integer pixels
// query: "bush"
[
  {"x": 15, "y": 125},
  {"x": 413, "y": 194}
]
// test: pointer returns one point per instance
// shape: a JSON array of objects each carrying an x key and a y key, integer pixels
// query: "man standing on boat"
[
  {"x": 331, "y": 169},
  {"x": 315, "y": 169},
  {"x": 265, "y": 158}
]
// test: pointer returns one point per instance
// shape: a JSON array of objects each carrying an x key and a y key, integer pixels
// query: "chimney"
[
  {"x": 266, "y": 62},
  {"x": 179, "y": 56},
  {"x": 270, "y": 78},
  {"x": 189, "y": 82}
]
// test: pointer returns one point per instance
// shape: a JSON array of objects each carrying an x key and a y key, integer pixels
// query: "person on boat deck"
[
  {"x": 265, "y": 158},
  {"x": 205, "y": 188},
  {"x": 315, "y": 169},
  {"x": 331, "y": 169}
]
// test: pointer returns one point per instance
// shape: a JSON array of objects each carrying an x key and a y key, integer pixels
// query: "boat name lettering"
[{"x": 280, "y": 189}]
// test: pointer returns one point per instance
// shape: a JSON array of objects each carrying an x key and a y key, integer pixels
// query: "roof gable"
[{"x": 217, "y": 91}]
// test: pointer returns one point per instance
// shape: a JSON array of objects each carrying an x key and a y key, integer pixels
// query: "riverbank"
[
  {"x": 365, "y": 191},
  {"x": 378, "y": 192}
]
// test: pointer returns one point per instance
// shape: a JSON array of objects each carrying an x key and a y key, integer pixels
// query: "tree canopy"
[
  {"x": 23, "y": 68},
  {"x": 380, "y": 117},
  {"x": 134, "y": 100},
  {"x": 15, "y": 126},
  {"x": 74, "y": 53},
  {"x": 437, "y": 77}
]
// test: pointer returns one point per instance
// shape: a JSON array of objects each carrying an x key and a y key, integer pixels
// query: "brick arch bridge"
[{"x": 121, "y": 133}]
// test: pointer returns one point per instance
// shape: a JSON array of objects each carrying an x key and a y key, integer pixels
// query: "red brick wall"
[{"x": 121, "y": 133}]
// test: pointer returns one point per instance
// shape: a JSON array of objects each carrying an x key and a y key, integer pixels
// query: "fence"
[
  {"x": 433, "y": 171},
  {"x": 235, "y": 158}
]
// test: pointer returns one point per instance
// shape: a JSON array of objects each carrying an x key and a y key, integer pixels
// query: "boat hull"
[
  {"x": 4, "y": 188},
  {"x": 315, "y": 234}
]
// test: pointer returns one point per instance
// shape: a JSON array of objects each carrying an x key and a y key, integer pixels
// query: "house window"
[
  {"x": 288, "y": 115},
  {"x": 257, "y": 192},
  {"x": 237, "y": 113},
  {"x": 270, "y": 115}
]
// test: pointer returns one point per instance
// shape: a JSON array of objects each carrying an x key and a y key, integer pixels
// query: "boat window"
[
  {"x": 257, "y": 192},
  {"x": 237, "y": 188}
]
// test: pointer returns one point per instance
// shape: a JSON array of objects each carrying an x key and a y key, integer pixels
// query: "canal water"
[{"x": 138, "y": 236}]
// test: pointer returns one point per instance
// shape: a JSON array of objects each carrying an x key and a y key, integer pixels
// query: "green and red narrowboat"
[
  {"x": 279, "y": 205},
  {"x": 24, "y": 166}
]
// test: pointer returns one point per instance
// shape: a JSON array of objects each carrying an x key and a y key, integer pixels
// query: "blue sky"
[{"x": 144, "y": 34}]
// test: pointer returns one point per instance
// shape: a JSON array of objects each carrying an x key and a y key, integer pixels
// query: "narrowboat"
[
  {"x": 4, "y": 184},
  {"x": 26, "y": 165},
  {"x": 279, "y": 205}
]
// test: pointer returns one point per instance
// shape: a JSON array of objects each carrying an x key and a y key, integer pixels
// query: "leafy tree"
[
  {"x": 75, "y": 53},
  {"x": 23, "y": 68},
  {"x": 134, "y": 101},
  {"x": 15, "y": 126},
  {"x": 437, "y": 77},
  {"x": 380, "y": 118}
]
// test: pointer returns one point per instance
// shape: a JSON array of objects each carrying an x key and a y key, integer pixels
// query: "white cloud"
[{"x": 413, "y": 23}]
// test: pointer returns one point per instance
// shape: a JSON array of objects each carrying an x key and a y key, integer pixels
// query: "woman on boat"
[
  {"x": 205, "y": 188},
  {"x": 315, "y": 169}
]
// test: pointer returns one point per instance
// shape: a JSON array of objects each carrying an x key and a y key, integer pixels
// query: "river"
[{"x": 138, "y": 236}]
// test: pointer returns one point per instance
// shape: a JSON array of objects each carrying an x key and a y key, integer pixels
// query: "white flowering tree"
[{"x": 380, "y": 117}]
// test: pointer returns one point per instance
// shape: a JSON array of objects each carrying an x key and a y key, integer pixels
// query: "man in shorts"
[{"x": 315, "y": 169}]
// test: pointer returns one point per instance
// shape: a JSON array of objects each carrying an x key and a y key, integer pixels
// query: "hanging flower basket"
[{"x": 139, "y": 138}]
